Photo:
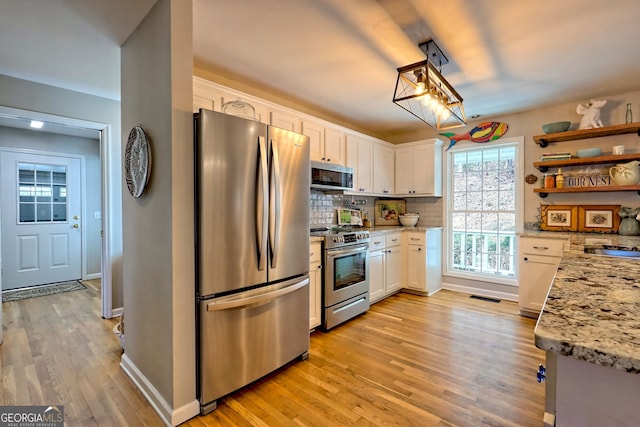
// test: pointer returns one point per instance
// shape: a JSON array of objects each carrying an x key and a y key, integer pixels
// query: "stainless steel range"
[{"x": 346, "y": 276}]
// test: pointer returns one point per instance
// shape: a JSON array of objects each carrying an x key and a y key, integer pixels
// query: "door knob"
[{"x": 76, "y": 226}]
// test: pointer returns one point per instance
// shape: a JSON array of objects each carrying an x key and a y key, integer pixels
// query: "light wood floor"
[{"x": 446, "y": 360}]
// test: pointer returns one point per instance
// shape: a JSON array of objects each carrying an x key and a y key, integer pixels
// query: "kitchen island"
[{"x": 590, "y": 328}]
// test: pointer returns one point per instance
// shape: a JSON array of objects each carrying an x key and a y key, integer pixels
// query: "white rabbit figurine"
[{"x": 591, "y": 114}]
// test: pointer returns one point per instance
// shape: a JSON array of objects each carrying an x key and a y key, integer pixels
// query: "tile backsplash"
[{"x": 323, "y": 208}]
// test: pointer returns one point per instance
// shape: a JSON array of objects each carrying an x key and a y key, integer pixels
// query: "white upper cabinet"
[
  {"x": 383, "y": 170},
  {"x": 334, "y": 146},
  {"x": 286, "y": 121},
  {"x": 212, "y": 97},
  {"x": 360, "y": 158},
  {"x": 326, "y": 144},
  {"x": 418, "y": 169},
  {"x": 202, "y": 102}
]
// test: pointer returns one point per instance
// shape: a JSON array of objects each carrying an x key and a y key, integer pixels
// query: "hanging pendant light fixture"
[{"x": 425, "y": 93}]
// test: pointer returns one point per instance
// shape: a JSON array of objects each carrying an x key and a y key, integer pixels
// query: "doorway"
[
  {"x": 100, "y": 165},
  {"x": 41, "y": 217}
]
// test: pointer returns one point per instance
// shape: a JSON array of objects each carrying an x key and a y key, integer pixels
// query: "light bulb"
[
  {"x": 420, "y": 88},
  {"x": 426, "y": 99}
]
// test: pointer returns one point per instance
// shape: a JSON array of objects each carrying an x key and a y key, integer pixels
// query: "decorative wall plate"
[
  {"x": 137, "y": 161},
  {"x": 530, "y": 179}
]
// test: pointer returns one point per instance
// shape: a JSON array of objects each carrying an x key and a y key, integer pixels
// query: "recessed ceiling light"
[{"x": 36, "y": 124}]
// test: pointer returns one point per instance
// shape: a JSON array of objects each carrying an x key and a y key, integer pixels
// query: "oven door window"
[{"x": 349, "y": 269}]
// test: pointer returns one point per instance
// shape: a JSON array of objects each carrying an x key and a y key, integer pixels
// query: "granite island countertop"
[{"x": 592, "y": 311}]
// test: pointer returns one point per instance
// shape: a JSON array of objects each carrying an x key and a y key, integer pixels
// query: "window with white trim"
[{"x": 483, "y": 200}]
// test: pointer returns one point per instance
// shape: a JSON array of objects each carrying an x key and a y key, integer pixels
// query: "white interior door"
[{"x": 40, "y": 205}]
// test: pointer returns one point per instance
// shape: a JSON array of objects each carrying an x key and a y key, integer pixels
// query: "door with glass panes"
[{"x": 41, "y": 203}]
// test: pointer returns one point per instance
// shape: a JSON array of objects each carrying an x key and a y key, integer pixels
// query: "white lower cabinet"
[
  {"x": 539, "y": 260},
  {"x": 376, "y": 275},
  {"x": 424, "y": 261},
  {"x": 315, "y": 284},
  {"x": 385, "y": 266}
]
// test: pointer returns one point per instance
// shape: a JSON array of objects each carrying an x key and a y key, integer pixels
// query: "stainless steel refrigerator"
[{"x": 252, "y": 197}]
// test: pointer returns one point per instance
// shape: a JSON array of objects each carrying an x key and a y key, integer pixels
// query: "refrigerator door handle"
[
  {"x": 274, "y": 213},
  {"x": 256, "y": 299},
  {"x": 262, "y": 204}
]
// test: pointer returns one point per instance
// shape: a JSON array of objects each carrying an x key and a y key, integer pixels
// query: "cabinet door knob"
[
  {"x": 419, "y": 249},
  {"x": 526, "y": 259},
  {"x": 328, "y": 160}
]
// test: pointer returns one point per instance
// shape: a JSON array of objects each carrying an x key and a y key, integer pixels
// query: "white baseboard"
[
  {"x": 171, "y": 417},
  {"x": 93, "y": 276},
  {"x": 480, "y": 292}
]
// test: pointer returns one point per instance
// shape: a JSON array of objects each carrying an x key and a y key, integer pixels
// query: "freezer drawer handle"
[{"x": 257, "y": 299}]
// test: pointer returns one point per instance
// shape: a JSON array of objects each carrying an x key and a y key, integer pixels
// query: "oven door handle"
[{"x": 347, "y": 251}]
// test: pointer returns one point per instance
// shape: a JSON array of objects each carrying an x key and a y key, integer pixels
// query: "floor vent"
[{"x": 485, "y": 298}]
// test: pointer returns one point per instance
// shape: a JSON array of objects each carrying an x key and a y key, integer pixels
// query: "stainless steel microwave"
[{"x": 325, "y": 176}]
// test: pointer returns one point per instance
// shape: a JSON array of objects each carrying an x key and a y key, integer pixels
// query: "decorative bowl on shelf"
[
  {"x": 556, "y": 127},
  {"x": 588, "y": 152},
  {"x": 408, "y": 220}
]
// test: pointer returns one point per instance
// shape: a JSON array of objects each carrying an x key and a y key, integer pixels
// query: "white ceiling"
[{"x": 340, "y": 56}]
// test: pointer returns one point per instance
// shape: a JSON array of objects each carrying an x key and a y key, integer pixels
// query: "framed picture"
[
  {"x": 558, "y": 218},
  {"x": 598, "y": 218},
  {"x": 387, "y": 210}
]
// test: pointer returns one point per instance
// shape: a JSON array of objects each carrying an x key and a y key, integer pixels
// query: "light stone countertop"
[
  {"x": 375, "y": 231},
  {"x": 592, "y": 311}
]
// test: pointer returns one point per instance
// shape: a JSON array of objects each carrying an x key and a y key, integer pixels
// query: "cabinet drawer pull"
[
  {"x": 544, "y": 248},
  {"x": 311, "y": 253},
  {"x": 414, "y": 238}
]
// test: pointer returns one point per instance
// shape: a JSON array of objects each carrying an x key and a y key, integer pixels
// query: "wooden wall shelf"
[
  {"x": 543, "y": 192},
  {"x": 572, "y": 135},
  {"x": 543, "y": 166}
]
